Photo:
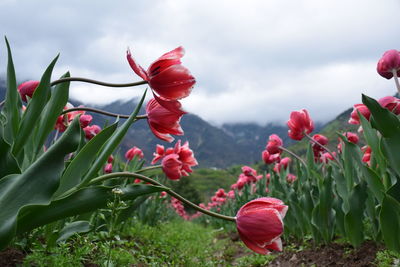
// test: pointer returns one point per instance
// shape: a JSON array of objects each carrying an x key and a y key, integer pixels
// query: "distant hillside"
[{"x": 234, "y": 143}]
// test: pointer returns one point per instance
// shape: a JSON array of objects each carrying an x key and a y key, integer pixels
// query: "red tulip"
[
  {"x": 270, "y": 158},
  {"x": 389, "y": 63},
  {"x": 290, "y": 178},
  {"x": 108, "y": 168},
  {"x": 85, "y": 120},
  {"x": 166, "y": 76},
  {"x": 163, "y": 122},
  {"x": 354, "y": 119},
  {"x": 110, "y": 159},
  {"x": 322, "y": 140},
  {"x": 260, "y": 225},
  {"x": 391, "y": 103},
  {"x": 134, "y": 151},
  {"x": 299, "y": 124},
  {"x": 91, "y": 131},
  {"x": 274, "y": 142},
  {"x": 178, "y": 162},
  {"x": 27, "y": 89},
  {"x": 325, "y": 157}
]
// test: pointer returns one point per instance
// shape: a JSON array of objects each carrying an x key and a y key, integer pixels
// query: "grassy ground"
[
  {"x": 181, "y": 243},
  {"x": 177, "y": 243}
]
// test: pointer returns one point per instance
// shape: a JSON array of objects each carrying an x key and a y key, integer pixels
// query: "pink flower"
[
  {"x": 274, "y": 142},
  {"x": 178, "y": 162},
  {"x": 85, "y": 120},
  {"x": 166, "y": 76},
  {"x": 110, "y": 159},
  {"x": 108, "y": 168},
  {"x": 27, "y": 89},
  {"x": 221, "y": 193},
  {"x": 163, "y": 122},
  {"x": 325, "y": 157},
  {"x": 391, "y": 103},
  {"x": 299, "y": 124},
  {"x": 270, "y": 158},
  {"x": 231, "y": 194},
  {"x": 322, "y": 140},
  {"x": 158, "y": 154},
  {"x": 290, "y": 178},
  {"x": 389, "y": 63},
  {"x": 260, "y": 225},
  {"x": 250, "y": 174},
  {"x": 91, "y": 131},
  {"x": 354, "y": 119},
  {"x": 134, "y": 151},
  {"x": 351, "y": 137},
  {"x": 163, "y": 194},
  {"x": 367, "y": 154}
]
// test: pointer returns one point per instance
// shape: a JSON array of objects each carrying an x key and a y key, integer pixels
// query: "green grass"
[{"x": 176, "y": 243}]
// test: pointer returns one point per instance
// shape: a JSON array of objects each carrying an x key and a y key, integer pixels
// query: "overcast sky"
[{"x": 254, "y": 61}]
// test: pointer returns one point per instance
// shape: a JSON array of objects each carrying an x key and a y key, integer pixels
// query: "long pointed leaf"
[
  {"x": 36, "y": 185},
  {"x": 80, "y": 202},
  {"x": 82, "y": 162},
  {"x": 34, "y": 109},
  {"x": 12, "y": 107},
  {"x": 112, "y": 144}
]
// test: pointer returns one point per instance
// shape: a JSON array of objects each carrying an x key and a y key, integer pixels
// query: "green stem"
[
  {"x": 168, "y": 190},
  {"x": 102, "y": 112},
  {"x": 327, "y": 149},
  {"x": 80, "y": 79},
  {"x": 293, "y": 154},
  {"x": 149, "y": 168},
  {"x": 396, "y": 80}
]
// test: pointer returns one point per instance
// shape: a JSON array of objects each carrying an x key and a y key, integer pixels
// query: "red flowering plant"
[{"x": 76, "y": 172}]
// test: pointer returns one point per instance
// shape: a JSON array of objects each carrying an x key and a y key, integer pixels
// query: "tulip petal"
[{"x": 136, "y": 67}]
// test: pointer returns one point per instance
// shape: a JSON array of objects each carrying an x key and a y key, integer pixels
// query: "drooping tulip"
[
  {"x": 134, "y": 151},
  {"x": 260, "y": 225},
  {"x": 391, "y": 103},
  {"x": 27, "y": 89},
  {"x": 274, "y": 144},
  {"x": 354, "y": 118},
  {"x": 178, "y": 162},
  {"x": 91, "y": 131},
  {"x": 166, "y": 76},
  {"x": 389, "y": 63},
  {"x": 163, "y": 122},
  {"x": 299, "y": 124}
]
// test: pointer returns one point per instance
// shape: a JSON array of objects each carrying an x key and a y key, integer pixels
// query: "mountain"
[{"x": 214, "y": 147}]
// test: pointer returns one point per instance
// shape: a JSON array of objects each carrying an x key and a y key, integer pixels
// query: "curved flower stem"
[
  {"x": 293, "y": 154},
  {"x": 168, "y": 190},
  {"x": 327, "y": 149},
  {"x": 149, "y": 168},
  {"x": 80, "y": 79},
  {"x": 396, "y": 80},
  {"x": 139, "y": 117}
]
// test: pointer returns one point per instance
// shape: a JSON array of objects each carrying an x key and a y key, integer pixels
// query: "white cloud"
[{"x": 253, "y": 61}]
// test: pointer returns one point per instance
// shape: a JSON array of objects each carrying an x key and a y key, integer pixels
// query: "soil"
[
  {"x": 329, "y": 255},
  {"x": 11, "y": 257}
]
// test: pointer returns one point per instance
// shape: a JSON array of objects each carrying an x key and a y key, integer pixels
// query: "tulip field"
[{"x": 69, "y": 198}]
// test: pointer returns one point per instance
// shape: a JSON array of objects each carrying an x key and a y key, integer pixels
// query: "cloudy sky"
[{"x": 254, "y": 61}]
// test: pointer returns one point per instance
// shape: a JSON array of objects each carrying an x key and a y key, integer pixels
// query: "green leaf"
[
  {"x": 82, "y": 201},
  {"x": 112, "y": 144},
  {"x": 82, "y": 162},
  {"x": 12, "y": 106},
  {"x": 8, "y": 164},
  {"x": 34, "y": 109},
  {"x": 73, "y": 228},
  {"x": 390, "y": 148},
  {"x": 353, "y": 220},
  {"x": 389, "y": 218},
  {"x": 53, "y": 108},
  {"x": 36, "y": 185},
  {"x": 374, "y": 182},
  {"x": 382, "y": 119}
]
